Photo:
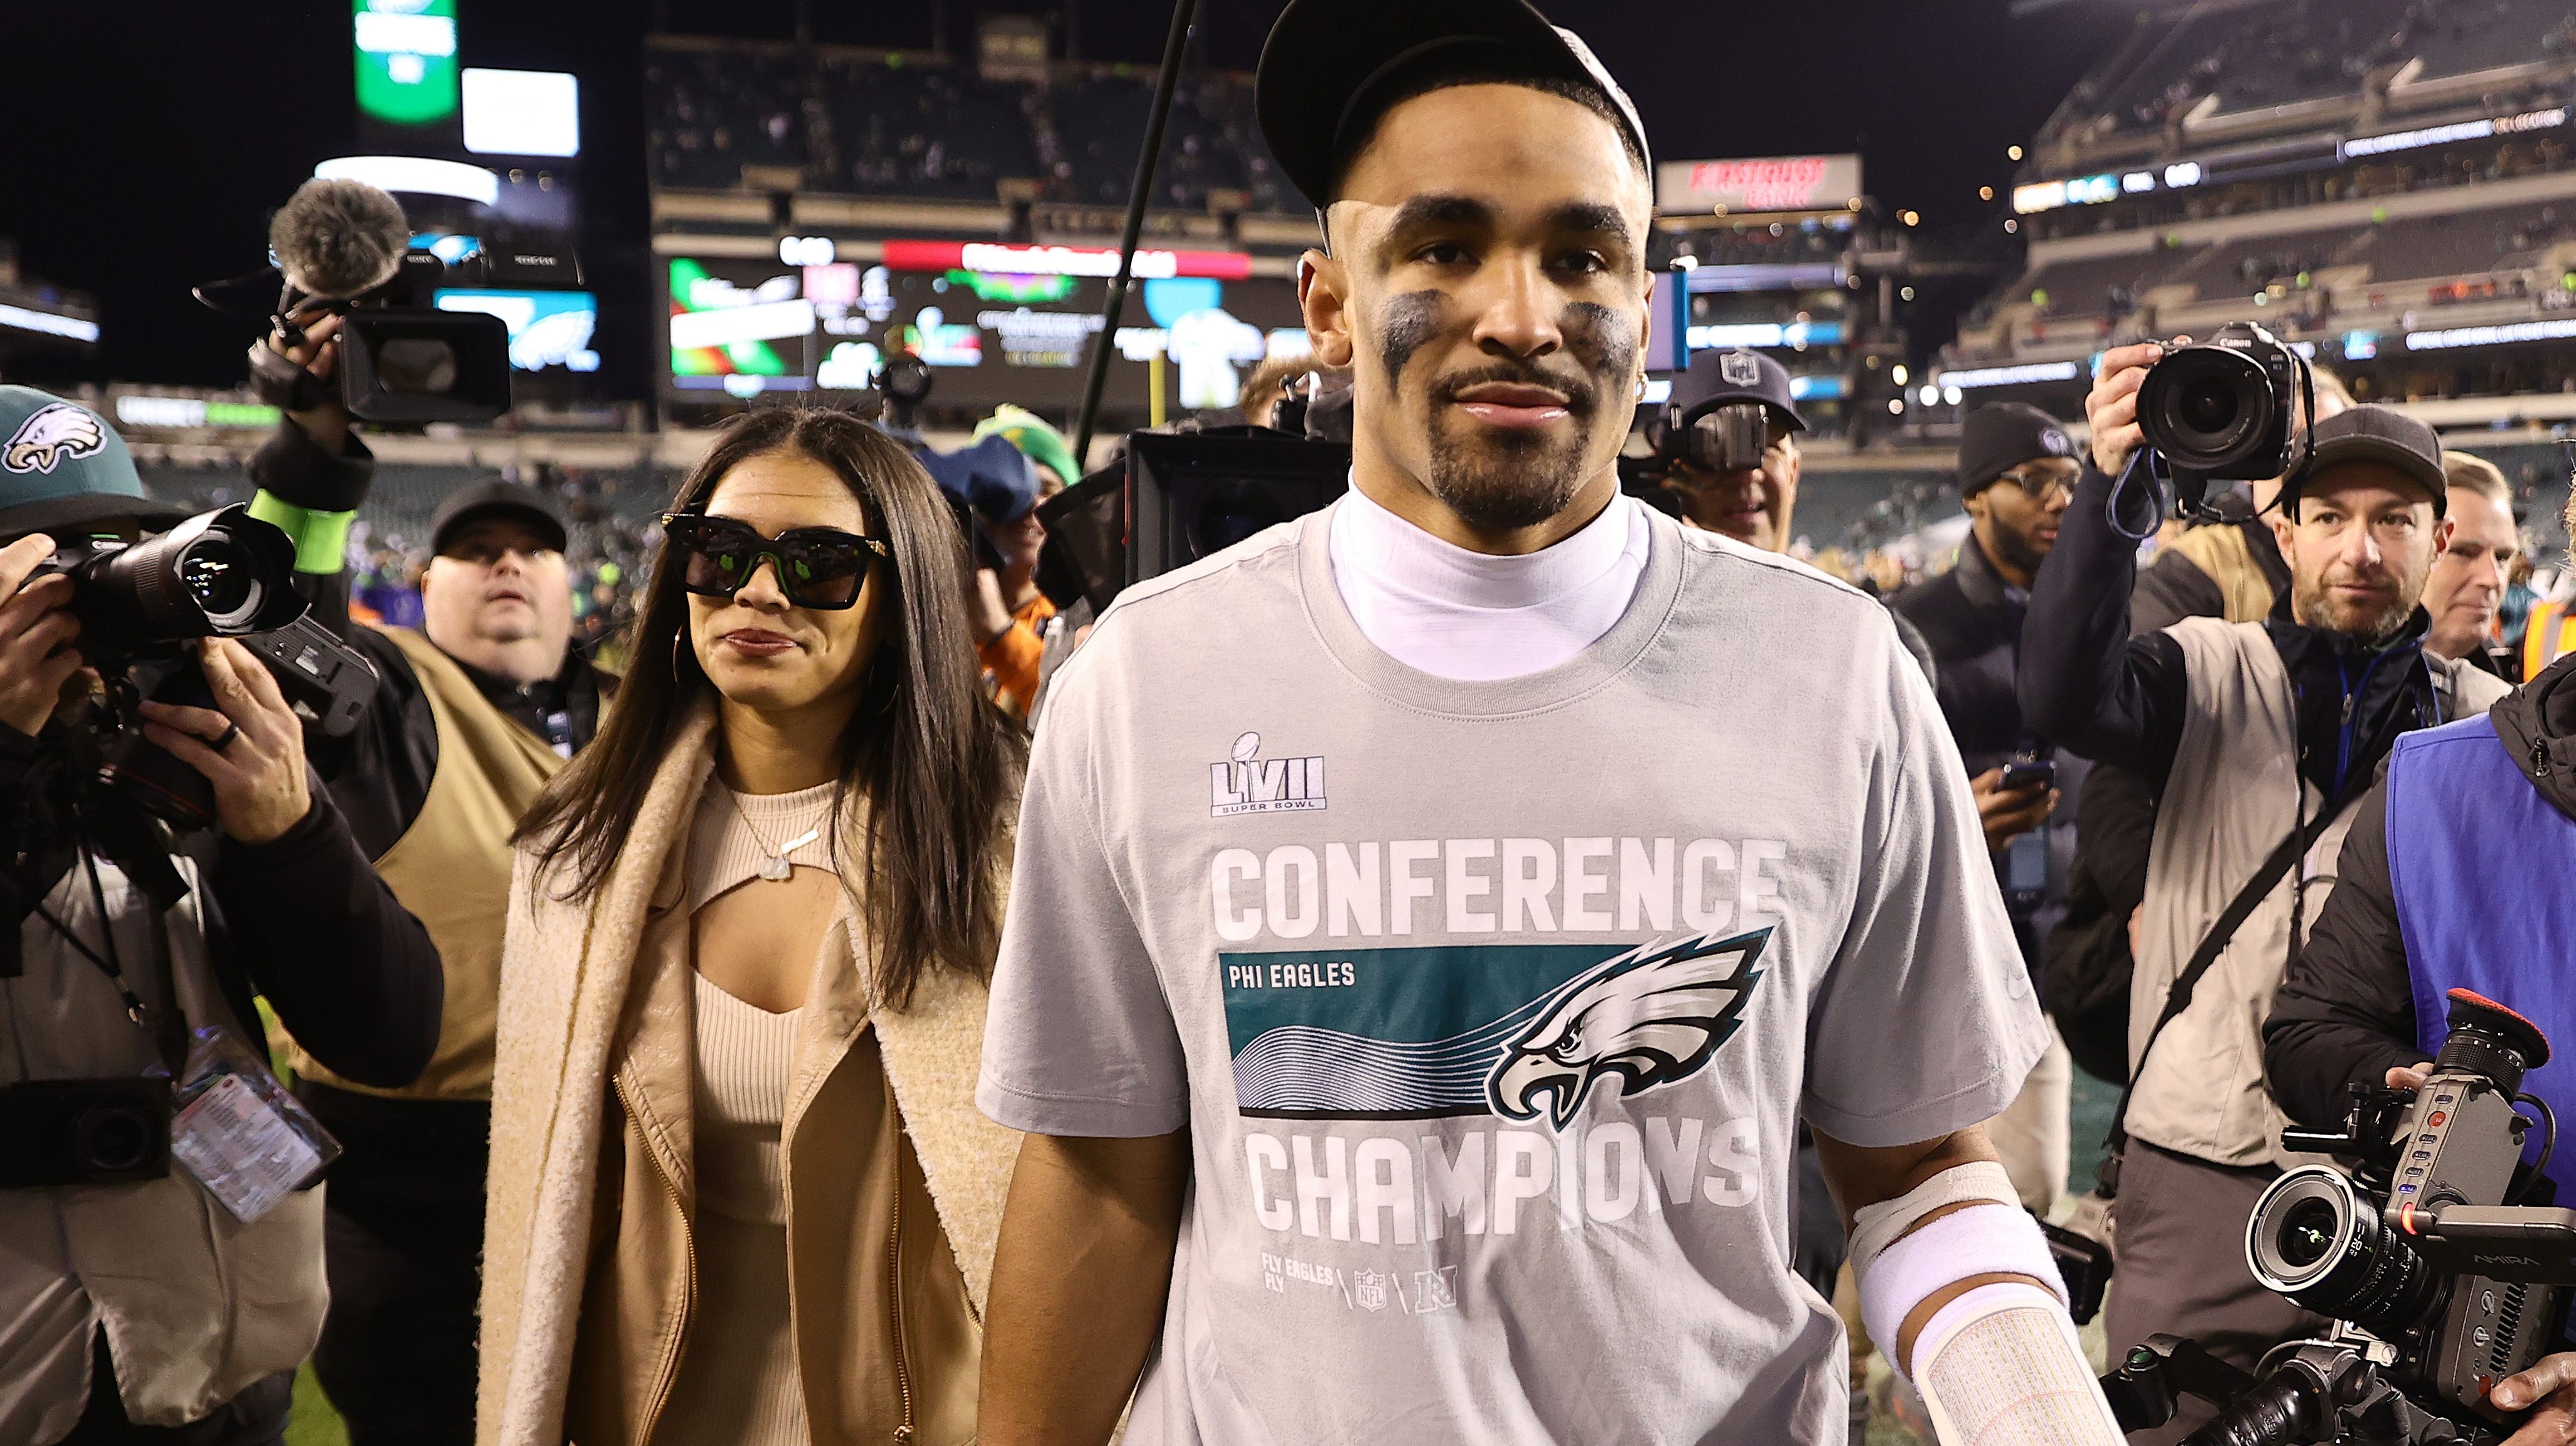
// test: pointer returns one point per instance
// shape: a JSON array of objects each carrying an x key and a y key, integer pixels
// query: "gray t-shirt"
[{"x": 1490, "y": 1007}]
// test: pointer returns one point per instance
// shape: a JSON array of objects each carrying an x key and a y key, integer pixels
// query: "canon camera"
[{"x": 2236, "y": 407}]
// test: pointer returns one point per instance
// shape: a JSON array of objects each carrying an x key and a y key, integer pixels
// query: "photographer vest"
[
  {"x": 2233, "y": 794},
  {"x": 196, "y": 1306},
  {"x": 2484, "y": 870},
  {"x": 451, "y": 868}
]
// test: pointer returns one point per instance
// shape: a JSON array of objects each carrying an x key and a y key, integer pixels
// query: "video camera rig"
[{"x": 2441, "y": 1282}]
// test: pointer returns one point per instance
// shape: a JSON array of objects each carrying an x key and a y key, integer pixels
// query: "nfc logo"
[{"x": 1250, "y": 784}]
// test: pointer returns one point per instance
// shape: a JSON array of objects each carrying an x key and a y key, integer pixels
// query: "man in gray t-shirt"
[{"x": 1446, "y": 1040}]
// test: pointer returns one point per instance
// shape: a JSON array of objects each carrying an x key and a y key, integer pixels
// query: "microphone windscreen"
[{"x": 338, "y": 238}]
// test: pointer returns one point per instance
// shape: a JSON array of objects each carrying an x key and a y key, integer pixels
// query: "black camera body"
[
  {"x": 2440, "y": 1282},
  {"x": 404, "y": 362},
  {"x": 1728, "y": 437},
  {"x": 2236, "y": 407},
  {"x": 219, "y": 574},
  {"x": 84, "y": 1132},
  {"x": 1180, "y": 497}
]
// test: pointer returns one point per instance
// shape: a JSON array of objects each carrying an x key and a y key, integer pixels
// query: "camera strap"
[{"x": 2284, "y": 856}]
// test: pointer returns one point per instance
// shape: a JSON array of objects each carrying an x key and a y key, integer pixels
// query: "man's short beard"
[
  {"x": 1509, "y": 485},
  {"x": 2373, "y": 628}
]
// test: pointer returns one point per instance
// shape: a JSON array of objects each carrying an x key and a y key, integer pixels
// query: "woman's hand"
[{"x": 252, "y": 750}]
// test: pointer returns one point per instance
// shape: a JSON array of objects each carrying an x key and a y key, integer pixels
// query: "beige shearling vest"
[
  {"x": 566, "y": 973},
  {"x": 2233, "y": 794},
  {"x": 196, "y": 1306}
]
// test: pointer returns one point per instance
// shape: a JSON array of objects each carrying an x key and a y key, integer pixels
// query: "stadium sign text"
[
  {"x": 1764, "y": 183},
  {"x": 1060, "y": 260}
]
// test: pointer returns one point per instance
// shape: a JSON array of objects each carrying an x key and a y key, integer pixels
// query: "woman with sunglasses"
[{"x": 740, "y": 1191}]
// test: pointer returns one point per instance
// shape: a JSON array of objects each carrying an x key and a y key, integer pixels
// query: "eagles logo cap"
[
  {"x": 1330, "y": 66},
  {"x": 2000, "y": 436},
  {"x": 62, "y": 466}
]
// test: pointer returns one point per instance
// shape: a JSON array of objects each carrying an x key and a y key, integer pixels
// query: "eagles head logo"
[
  {"x": 51, "y": 434},
  {"x": 1649, "y": 1017}
]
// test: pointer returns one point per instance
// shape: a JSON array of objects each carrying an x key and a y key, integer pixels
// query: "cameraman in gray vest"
[
  {"x": 160, "y": 1260},
  {"x": 2259, "y": 736}
]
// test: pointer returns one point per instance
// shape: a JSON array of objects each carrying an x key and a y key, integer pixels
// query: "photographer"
[
  {"x": 2258, "y": 736},
  {"x": 145, "y": 1311},
  {"x": 2454, "y": 877},
  {"x": 473, "y": 714}
]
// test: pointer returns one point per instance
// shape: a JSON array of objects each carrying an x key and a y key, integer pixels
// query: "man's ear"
[
  {"x": 1323, "y": 298},
  {"x": 2443, "y": 529},
  {"x": 2285, "y": 533}
]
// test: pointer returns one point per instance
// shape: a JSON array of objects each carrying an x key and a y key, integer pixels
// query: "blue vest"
[{"x": 2485, "y": 876}]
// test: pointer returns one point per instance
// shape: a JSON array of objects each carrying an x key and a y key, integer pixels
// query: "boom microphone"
[{"x": 338, "y": 238}]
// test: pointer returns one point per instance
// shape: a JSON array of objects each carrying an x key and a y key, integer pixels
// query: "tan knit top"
[{"x": 738, "y": 1383}]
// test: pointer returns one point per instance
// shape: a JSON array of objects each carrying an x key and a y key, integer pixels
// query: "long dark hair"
[{"x": 937, "y": 763}]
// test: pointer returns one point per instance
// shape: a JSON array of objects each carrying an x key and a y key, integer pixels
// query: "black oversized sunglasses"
[{"x": 817, "y": 567}]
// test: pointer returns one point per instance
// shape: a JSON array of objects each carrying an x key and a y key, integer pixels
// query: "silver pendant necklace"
[{"x": 773, "y": 864}]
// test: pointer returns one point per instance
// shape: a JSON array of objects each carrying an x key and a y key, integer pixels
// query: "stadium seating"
[
  {"x": 2432, "y": 247},
  {"x": 916, "y": 130},
  {"x": 868, "y": 123}
]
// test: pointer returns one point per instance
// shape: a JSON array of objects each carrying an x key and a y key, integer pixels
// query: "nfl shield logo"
[{"x": 1740, "y": 368}]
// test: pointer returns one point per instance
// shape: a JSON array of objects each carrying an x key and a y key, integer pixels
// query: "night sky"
[{"x": 147, "y": 142}]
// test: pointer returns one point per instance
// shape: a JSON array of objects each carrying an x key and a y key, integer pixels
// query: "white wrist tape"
[
  {"x": 1875, "y": 1227},
  {"x": 1984, "y": 1239},
  {"x": 2001, "y": 1366}
]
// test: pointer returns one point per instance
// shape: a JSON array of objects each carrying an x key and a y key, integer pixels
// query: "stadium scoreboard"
[{"x": 996, "y": 323}]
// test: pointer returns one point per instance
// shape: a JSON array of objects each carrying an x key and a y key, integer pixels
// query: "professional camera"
[
  {"x": 2440, "y": 1279},
  {"x": 403, "y": 361},
  {"x": 1729, "y": 437},
  {"x": 2234, "y": 408},
  {"x": 223, "y": 574},
  {"x": 1179, "y": 497},
  {"x": 342, "y": 248}
]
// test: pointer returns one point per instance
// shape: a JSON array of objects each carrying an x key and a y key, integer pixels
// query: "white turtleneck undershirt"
[{"x": 1443, "y": 610}]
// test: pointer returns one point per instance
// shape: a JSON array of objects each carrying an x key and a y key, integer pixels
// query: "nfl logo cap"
[
  {"x": 1330, "y": 66},
  {"x": 2000, "y": 436},
  {"x": 62, "y": 466},
  {"x": 1738, "y": 374}
]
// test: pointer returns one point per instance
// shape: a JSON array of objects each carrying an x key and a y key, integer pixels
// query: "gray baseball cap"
[{"x": 2374, "y": 433}]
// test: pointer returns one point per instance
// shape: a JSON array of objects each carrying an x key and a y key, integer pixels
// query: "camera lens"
[
  {"x": 416, "y": 365},
  {"x": 225, "y": 583},
  {"x": 2210, "y": 409},
  {"x": 2308, "y": 1234},
  {"x": 114, "y": 1139},
  {"x": 2316, "y": 1239},
  {"x": 2208, "y": 406}
]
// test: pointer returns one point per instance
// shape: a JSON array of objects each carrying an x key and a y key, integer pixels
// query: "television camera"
[{"x": 2441, "y": 1271}]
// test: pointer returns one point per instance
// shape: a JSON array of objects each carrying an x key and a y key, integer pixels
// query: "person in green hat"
[
  {"x": 210, "y": 1309},
  {"x": 1045, "y": 446},
  {"x": 1009, "y": 613}
]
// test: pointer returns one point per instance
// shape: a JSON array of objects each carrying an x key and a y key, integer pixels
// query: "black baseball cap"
[
  {"x": 2000, "y": 436},
  {"x": 2373, "y": 433},
  {"x": 496, "y": 496},
  {"x": 1330, "y": 66},
  {"x": 1738, "y": 374}
]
